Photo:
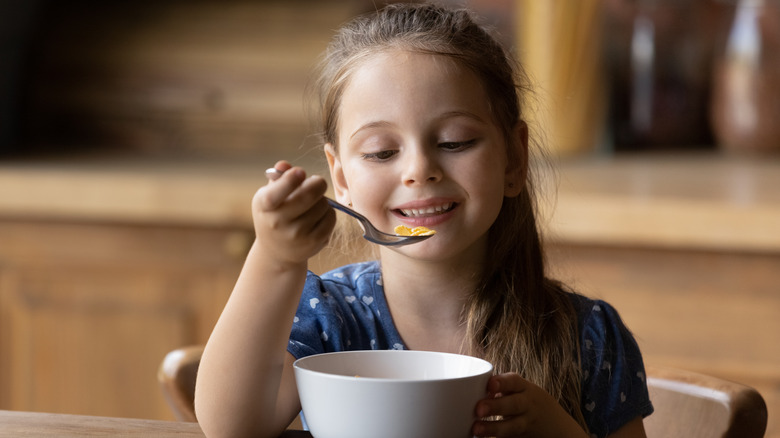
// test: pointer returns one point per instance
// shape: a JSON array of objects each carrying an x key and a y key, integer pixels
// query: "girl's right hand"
[{"x": 291, "y": 216}]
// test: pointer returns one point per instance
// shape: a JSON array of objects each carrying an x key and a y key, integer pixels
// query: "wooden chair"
[
  {"x": 694, "y": 405},
  {"x": 176, "y": 376}
]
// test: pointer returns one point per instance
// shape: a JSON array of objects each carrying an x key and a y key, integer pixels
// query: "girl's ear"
[
  {"x": 517, "y": 162},
  {"x": 340, "y": 187}
]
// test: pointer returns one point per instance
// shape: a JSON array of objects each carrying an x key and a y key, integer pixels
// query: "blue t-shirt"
[{"x": 345, "y": 309}]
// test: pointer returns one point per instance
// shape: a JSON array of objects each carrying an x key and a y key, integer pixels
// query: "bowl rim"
[{"x": 299, "y": 366}]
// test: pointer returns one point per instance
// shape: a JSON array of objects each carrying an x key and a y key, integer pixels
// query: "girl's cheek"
[{"x": 364, "y": 188}]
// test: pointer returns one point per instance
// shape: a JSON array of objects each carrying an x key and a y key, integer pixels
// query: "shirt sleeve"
[
  {"x": 342, "y": 310},
  {"x": 317, "y": 325},
  {"x": 614, "y": 386}
]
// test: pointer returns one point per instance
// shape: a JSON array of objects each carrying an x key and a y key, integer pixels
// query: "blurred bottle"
[
  {"x": 660, "y": 56},
  {"x": 746, "y": 95},
  {"x": 17, "y": 32}
]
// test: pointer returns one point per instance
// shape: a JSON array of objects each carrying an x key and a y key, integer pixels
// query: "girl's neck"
[{"x": 426, "y": 299}]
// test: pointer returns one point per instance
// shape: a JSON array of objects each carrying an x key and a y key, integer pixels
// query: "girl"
[{"x": 422, "y": 126}]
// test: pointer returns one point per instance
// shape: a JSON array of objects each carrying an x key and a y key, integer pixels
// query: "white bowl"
[{"x": 390, "y": 393}]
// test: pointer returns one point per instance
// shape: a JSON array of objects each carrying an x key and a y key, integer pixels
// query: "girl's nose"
[{"x": 421, "y": 168}]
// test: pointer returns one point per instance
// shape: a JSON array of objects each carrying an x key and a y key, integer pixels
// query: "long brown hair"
[{"x": 519, "y": 320}]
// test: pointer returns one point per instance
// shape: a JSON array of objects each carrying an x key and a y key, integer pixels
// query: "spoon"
[{"x": 370, "y": 232}]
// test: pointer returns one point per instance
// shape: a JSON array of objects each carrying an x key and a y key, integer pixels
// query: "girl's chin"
[
  {"x": 427, "y": 251},
  {"x": 420, "y": 251}
]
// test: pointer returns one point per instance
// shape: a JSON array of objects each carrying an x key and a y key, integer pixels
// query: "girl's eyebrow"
[
  {"x": 461, "y": 113},
  {"x": 371, "y": 125},
  {"x": 443, "y": 116}
]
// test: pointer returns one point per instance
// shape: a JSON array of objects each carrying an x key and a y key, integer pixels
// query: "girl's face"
[{"x": 418, "y": 146}]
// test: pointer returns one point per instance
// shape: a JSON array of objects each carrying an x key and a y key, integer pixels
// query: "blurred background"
[{"x": 133, "y": 135}]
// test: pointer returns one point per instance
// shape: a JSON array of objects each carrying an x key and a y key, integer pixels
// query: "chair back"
[
  {"x": 176, "y": 376},
  {"x": 692, "y": 405}
]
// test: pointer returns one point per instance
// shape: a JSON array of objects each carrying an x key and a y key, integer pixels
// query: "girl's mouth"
[{"x": 427, "y": 211}]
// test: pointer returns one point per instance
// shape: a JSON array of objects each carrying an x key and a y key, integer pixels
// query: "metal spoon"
[{"x": 370, "y": 232}]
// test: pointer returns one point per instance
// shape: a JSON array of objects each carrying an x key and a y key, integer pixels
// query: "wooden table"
[{"x": 35, "y": 424}]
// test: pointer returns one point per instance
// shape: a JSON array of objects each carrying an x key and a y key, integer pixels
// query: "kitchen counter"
[
  {"x": 708, "y": 202},
  {"x": 165, "y": 192},
  {"x": 696, "y": 201}
]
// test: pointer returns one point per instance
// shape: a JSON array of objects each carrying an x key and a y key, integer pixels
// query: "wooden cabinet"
[{"x": 88, "y": 310}]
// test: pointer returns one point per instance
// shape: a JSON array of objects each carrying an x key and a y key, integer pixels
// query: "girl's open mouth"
[{"x": 427, "y": 211}]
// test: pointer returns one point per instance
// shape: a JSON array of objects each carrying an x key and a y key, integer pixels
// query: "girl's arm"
[
  {"x": 245, "y": 384},
  {"x": 633, "y": 429}
]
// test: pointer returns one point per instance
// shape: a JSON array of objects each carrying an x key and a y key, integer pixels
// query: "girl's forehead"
[
  {"x": 399, "y": 56},
  {"x": 401, "y": 80}
]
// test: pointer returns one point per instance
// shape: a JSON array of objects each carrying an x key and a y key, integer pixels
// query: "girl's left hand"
[{"x": 525, "y": 410}]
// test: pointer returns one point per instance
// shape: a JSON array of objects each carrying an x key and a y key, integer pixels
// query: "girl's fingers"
[
  {"x": 275, "y": 172},
  {"x": 518, "y": 407},
  {"x": 505, "y": 396},
  {"x": 506, "y": 406},
  {"x": 273, "y": 195},
  {"x": 291, "y": 213},
  {"x": 279, "y": 168},
  {"x": 311, "y": 190},
  {"x": 298, "y": 211},
  {"x": 506, "y": 427},
  {"x": 507, "y": 383},
  {"x": 325, "y": 222}
]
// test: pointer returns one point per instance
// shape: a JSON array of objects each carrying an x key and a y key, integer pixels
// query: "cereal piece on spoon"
[{"x": 403, "y": 230}]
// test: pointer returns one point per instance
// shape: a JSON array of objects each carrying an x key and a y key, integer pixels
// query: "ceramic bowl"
[{"x": 390, "y": 393}]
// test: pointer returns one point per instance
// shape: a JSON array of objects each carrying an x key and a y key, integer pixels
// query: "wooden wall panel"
[
  {"x": 84, "y": 326},
  {"x": 713, "y": 312},
  {"x": 96, "y": 335}
]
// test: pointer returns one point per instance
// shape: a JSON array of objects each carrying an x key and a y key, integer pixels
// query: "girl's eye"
[
  {"x": 457, "y": 145},
  {"x": 379, "y": 156}
]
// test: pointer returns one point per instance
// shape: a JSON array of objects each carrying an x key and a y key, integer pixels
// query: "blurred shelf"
[
  {"x": 696, "y": 201},
  {"x": 197, "y": 192},
  {"x": 693, "y": 201}
]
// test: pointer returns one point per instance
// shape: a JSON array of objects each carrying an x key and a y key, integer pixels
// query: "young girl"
[{"x": 422, "y": 126}]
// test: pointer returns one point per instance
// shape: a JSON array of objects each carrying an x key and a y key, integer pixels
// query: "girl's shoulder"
[
  {"x": 613, "y": 374},
  {"x": 596, "y": 314},
  {"x": 602, "y": 332}
]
